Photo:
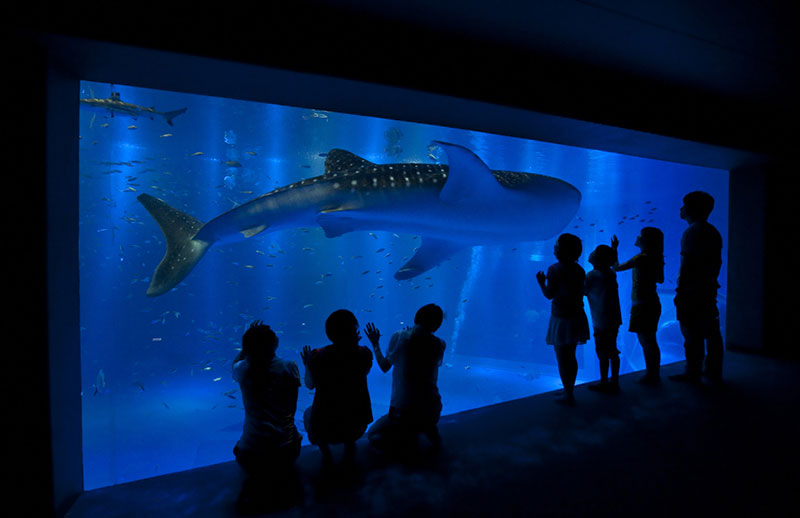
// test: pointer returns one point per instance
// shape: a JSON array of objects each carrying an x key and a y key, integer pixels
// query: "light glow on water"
[{"x": 169, "y": 402}]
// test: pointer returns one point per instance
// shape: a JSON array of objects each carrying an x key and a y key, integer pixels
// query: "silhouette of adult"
[
  {"x": 341, "y": 409},
  {"x": 696, "y": 294},
  {"x": 270, "y": 442},
  {"x": 415, "y": 355}
]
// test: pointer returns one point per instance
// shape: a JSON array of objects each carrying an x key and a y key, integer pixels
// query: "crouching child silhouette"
[
  {"x": 415, "y": 354},
  {"x": 270, "y": 442},
  {"x": 338, "y": 372}
]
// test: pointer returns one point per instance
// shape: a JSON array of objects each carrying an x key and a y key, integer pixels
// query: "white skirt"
[{"x": 568, "y": 331}]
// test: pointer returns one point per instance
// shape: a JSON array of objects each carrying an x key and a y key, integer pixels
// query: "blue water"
[{"x": 158, "y": 396}]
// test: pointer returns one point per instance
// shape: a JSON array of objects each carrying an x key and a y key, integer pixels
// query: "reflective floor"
[{"x": 672, "y": 450}]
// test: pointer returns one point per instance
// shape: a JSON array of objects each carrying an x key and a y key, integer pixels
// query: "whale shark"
[{"x": 450, "y": 206}]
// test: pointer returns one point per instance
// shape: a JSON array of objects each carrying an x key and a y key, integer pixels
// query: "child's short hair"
[
  {"x": 259, "y": 341},
  {"x": 430, "y": 317},
  {"x": 569, "y": 247},
  {"x": 699, "y": 204},
  {"x": 340, "y": 325},
  {"x": 603, "y": 257},
  {"x": 653, "y": 240}
]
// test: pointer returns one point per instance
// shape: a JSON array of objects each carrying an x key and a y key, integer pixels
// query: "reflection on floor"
[{"x": 674, "y": 449}]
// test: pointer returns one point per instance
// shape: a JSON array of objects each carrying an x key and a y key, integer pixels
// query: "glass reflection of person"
[
  {"x": 648, "y": 270},
  {"x": 696, "y": 294},
  {"x": 568, "y": 325}
]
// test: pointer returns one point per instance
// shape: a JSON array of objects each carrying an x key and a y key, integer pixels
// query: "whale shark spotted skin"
[{"x": 451, "y": 207}]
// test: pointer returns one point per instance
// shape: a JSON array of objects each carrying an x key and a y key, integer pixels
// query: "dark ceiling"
[
  {"x": 714, "y": 71},
  {"x": 731, "y": 47}
]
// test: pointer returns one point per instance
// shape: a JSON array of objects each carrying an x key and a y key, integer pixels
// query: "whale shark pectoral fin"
[
  {"x": 250, "y": 232},
  {"x": 431, "y": 253},
  {"x": 469, "y": 180},
  {"x": 337, "y": 222}
]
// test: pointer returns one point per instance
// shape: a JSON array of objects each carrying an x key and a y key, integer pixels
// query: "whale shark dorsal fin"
[
  {"x": 339, "y": 160},
  {"x": 431, "y": 253},
  {"x": 469, "y": 179}
]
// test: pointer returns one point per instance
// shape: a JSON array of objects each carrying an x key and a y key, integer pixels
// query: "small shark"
[
  {"x": 115, "y": 105},
  {"x": 451, "y": 207}
]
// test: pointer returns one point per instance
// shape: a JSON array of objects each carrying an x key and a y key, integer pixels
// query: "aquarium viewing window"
[{"x": 156, "y": 348}]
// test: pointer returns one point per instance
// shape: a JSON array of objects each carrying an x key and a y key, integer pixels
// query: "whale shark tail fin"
[{"x": 183, "y": 251}]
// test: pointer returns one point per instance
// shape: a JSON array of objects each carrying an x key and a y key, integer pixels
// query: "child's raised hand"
[
  {"x": 614, "y": 242},
  {"x": 373, "y": 334},
  {"x": 541, "y": 277},
  {"x": 306, "y": 354}
]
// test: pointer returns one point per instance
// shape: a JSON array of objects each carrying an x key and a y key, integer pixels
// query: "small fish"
[
  {"x": 246, "y": 192},
  {"x": 129, "y": 189},
  {"x": 373, "y": 235},
  {"x": 165, "y": 405},
  {"x": 141, "y": 387},
  {"x": 165, "y": 135},
  {"x": 232, "y": 163},
  {"x": 379, "y": 250},
  {"x": 216, "y": 379},
  {"x": 251, "y": 153},
  {"x": 467, "y": 367},
  {"x": 308, "y": 306},
  {"x": 197, "y": 153},
  {"x": 132, "y": 127},
  {"x": 250, "y": 266},
  {"x": 365, "y": 272},
  {"x": 323, "y": 155}
]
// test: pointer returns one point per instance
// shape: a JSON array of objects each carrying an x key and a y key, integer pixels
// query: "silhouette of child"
[
  {"x": 270, "y": 442},
  {"x": 648, "y": 270},
  {"x": 696, "y": 294},
  {"x": 568, "y": 326},
  {"x": 602, "y": 291},
  {"x": 341, "y": 409},
  {"x": 416, "y": 354}
]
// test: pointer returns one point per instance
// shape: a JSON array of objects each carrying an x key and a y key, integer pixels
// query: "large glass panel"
[{"x": 158, "y": 395}]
